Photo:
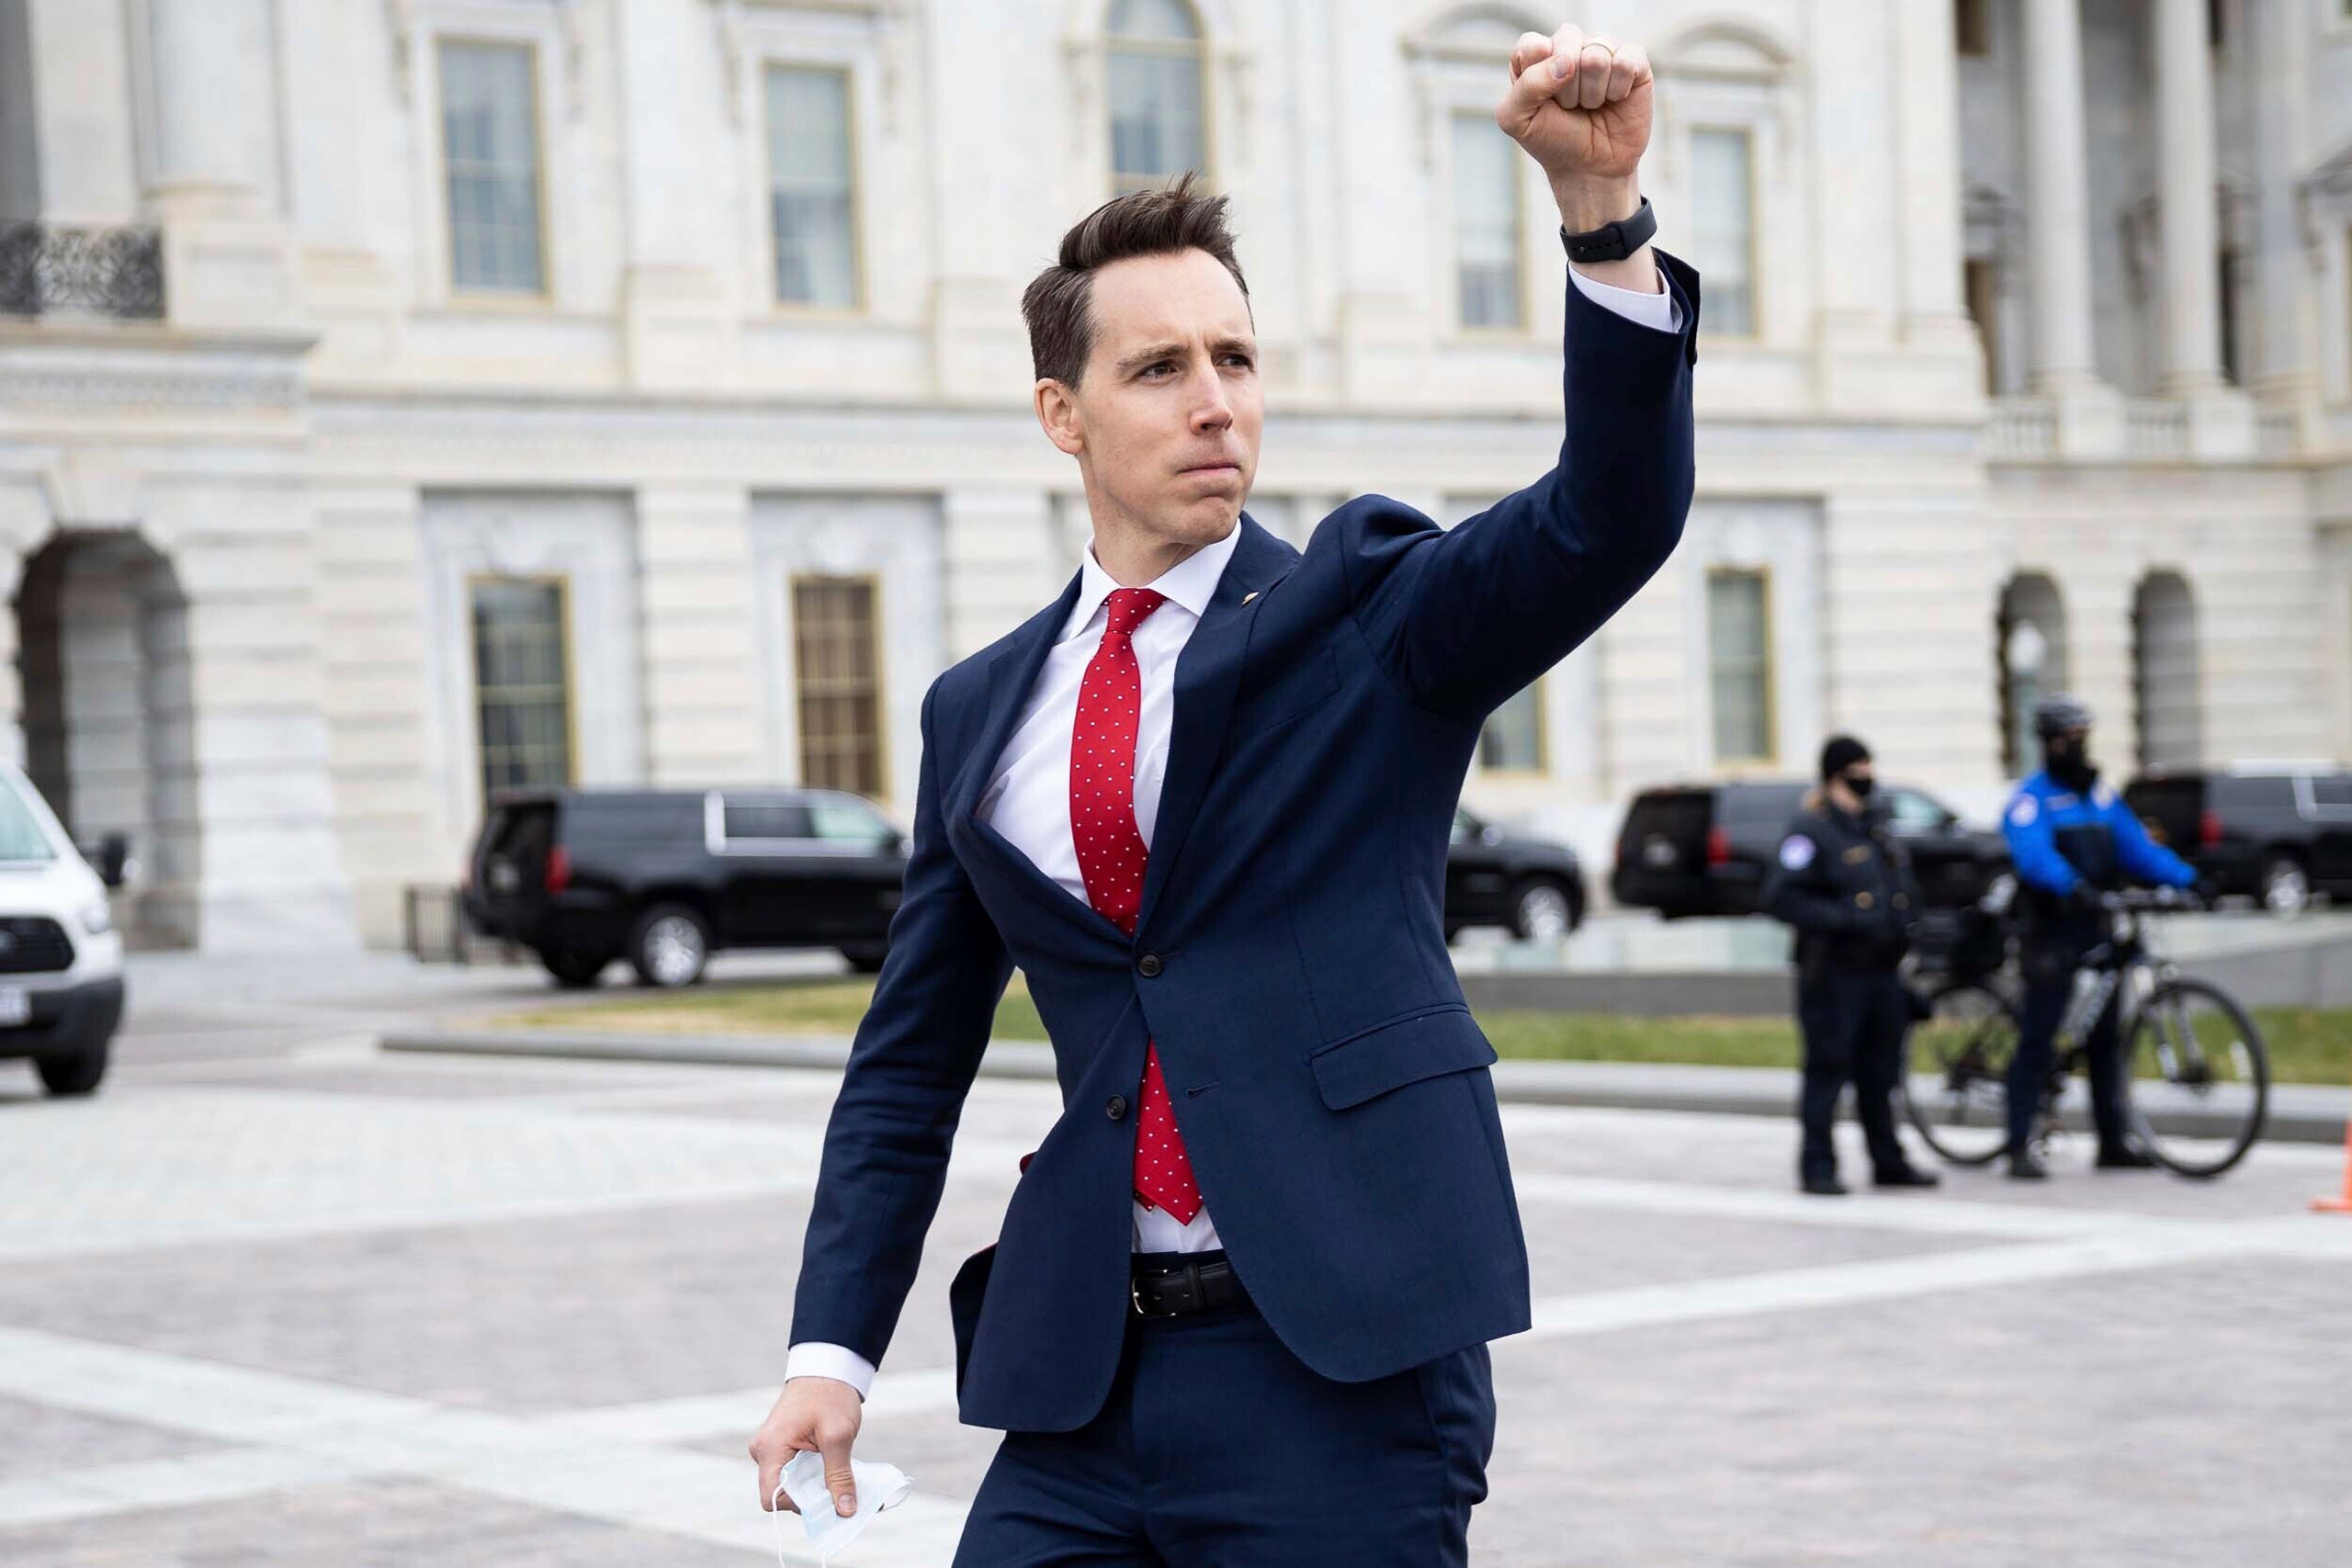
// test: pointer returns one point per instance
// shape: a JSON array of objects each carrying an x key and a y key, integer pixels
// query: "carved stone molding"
[{"x": 35, "y": 387}]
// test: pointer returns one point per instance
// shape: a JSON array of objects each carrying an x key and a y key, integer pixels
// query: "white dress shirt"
[{"x": 1027, "y": 798}]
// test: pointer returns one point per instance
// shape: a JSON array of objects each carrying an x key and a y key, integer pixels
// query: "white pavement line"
[
  {"x": 1909, "y": 1212},
  {"x": 422, "y": 1216},
  {"x": 223, "y": 1477},
  {"x": 1747, "y": 1295},
  {"x": 334, "y": 1433},
  {"x": 930, "y": 1390}
]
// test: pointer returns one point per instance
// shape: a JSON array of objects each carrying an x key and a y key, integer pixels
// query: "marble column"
[
  {"x": 213, "y": 179},
  {"x": 2191, "y": 245},
  {"x": 2286, "y": 337},
  {"x": 212, "y": 78},
  {"x": 2058, "y": 186}
]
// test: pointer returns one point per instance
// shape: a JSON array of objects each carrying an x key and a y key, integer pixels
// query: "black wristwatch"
[{"x": 1612, "y": 241}]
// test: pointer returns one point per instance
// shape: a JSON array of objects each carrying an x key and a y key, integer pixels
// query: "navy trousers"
[
  {"x": 1218, "y": 1449},
  {"x": 2049, "y": 989},
  {"x": 1853, "y": 1026}
]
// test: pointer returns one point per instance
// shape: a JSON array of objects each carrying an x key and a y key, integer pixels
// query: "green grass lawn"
[{"x": 2307, "y": 1044}]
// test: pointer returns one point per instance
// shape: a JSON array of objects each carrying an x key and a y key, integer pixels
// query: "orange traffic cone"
[{"x": 2342, "y": 1203}]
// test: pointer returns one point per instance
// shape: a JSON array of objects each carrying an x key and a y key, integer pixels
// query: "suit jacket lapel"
[
  {"x": 1208, "y": 676},
  {"x": 1013, "y": 675}
]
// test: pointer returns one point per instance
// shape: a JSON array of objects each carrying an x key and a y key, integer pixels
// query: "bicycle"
[{"x": 2192, "y": 1058}]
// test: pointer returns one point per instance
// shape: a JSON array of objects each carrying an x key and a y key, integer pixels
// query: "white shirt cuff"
[
  {"x": 1660, "y": 310},
  {"x": 818, "y": 1359}
]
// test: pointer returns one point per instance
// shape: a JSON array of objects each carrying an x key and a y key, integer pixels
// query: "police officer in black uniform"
[{"x": 1846, "y": 886}]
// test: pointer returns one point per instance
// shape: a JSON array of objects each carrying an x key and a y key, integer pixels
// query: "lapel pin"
[{"x": 1246, "y": 597}]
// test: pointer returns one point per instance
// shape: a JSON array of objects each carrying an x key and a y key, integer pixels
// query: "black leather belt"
[{"x": 1177, "y": 1289}]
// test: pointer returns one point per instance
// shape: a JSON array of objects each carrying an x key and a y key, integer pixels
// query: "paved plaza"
[{"x": 275, "y": 1298}]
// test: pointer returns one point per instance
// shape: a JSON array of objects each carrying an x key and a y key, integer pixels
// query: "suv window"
[
  {"x": 1914, "y": 812},
  {"x": 632, "y": 818},
  {"x": 2332, "y": 790},
  {"x": 1773, "y": 803},
  {"x": 21, "y": 838},
  {"x": 761, "y": 819},
  {"x": 838, "y": 821},
  {"x": 2269, "y": 792}
]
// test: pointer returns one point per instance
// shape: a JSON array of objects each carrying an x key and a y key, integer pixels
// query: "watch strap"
[{"x": 1612, "y": 241}]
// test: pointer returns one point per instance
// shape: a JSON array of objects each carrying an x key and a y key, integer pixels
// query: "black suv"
[
  {"x": 1703, "y": 848},
  {"x": 1494, "y": 878},
  {"x": 665, "y": 878},
  {"x": 2279, "y": 833}
]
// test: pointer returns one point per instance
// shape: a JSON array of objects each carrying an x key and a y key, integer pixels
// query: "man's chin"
[{"x": 1205, "y": 520}]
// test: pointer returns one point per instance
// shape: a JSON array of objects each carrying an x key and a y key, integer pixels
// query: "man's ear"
[{"x": 1059, "y": 416}]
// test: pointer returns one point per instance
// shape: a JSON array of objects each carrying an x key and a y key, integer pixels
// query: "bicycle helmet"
[{"x": 2057, "y": 715}]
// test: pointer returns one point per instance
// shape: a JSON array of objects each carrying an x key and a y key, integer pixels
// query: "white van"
[{"x": 61, "y": 958}]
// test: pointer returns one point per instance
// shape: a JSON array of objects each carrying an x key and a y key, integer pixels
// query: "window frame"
[
  {"x": 861, "y": 300},
  {"x": 1748, "y": 132},
  {"x": 1761, "y": 574},
  {"x": 880, "y": 680},
  {"x": 1523, "y": 295},
  {"x": 1204, "y": 52},
  {"x": 561, "y": 583},
  {"x": 453, "y": 292}
]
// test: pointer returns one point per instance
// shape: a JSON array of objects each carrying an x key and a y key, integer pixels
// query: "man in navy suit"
[{"x": 1239, "y": 1309}]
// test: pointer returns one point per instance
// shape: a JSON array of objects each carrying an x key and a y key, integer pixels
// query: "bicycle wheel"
[
  {"x": 2196, "y": 1078},
  {"x": 1956, "y": 1094}
]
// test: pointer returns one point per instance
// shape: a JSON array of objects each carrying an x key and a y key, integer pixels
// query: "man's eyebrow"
[{"x": 1143, "y": 356}]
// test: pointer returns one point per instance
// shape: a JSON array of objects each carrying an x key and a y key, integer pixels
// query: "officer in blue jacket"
[{"x": 2071, "y": 838}]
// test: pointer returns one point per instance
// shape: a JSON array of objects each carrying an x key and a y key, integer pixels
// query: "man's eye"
[
  {"x": 1157, "y": 367},
  {"x": 1243, "y": 360}
]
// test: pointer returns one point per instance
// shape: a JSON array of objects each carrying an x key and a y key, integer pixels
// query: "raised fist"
[{"x": 1579, "y": 105}]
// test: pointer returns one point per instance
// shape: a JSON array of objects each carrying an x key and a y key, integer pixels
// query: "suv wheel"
[
  {"x": 670, "y": 946},
  {"x": 1543, "y": 910},
  {"x": 2286, "y": 886},
  {"x": 75, "y": 1075},
  {"x": 573, "y": 969}
]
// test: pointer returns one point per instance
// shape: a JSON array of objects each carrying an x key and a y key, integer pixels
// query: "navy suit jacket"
[{"x": 1289, "y": 959}]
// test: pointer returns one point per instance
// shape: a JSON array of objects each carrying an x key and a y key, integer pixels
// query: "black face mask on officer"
[
  {"x": 2068, "y": 758},
  {"x": 1861, "y": 783}
]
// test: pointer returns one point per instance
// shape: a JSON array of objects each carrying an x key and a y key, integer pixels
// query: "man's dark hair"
[{"x": 1058, "y": 303}]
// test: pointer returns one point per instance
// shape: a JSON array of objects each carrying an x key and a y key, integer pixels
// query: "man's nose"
[{"x": 1211, "y": 411}]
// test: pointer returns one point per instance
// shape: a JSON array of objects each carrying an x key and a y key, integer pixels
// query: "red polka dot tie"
[{"x": 1111, "y": 857}]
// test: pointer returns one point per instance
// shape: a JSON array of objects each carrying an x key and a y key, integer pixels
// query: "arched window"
[
  {"x": 2164, "y": 672},
  {"x": 2032, "y": 653},
  {"x": 1153, "y": 76}
]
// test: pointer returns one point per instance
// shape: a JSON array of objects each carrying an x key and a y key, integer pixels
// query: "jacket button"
[
  {"x": 1148, "y": 966},
  {"x": 1862, "y": 900},
  {"x": 1116, "y": 1108},
  {"x": 1903, "y": 900}
]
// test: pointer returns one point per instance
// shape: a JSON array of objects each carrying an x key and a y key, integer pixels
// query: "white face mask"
[{"x": 879, "y": 1486}]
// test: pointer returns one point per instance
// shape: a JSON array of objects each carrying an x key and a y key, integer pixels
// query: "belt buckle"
[{"x": 1189, "y": 1275}]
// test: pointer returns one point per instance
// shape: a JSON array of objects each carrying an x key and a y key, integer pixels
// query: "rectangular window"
[
  {"x": 1723, "y": 183},
  {"x": 489, "y": 144},
  {"x": 1486, "y": 239},
  {"x": 522, "y": 684},
  {"x": 1513, "y": 740},
  {"x": 837, "y": 664},
  {"x": 812, "y": 212},
  {"x": 1979, "y": 280},
  {"x": 1157, "y": 115},
  {"x": 1974, "y": 21},
  {"x": 1739, "y": 664}
]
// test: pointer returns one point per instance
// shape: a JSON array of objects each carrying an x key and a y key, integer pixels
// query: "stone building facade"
[{"x": 404, "y": 398}]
